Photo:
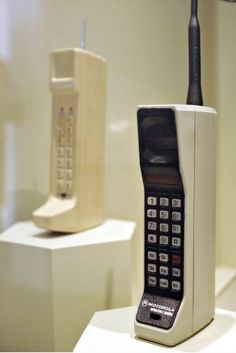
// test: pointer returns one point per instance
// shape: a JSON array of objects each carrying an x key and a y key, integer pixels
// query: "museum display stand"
[
  {"x": 112, "y": 331},
  {"x": 51, "y": 284}
]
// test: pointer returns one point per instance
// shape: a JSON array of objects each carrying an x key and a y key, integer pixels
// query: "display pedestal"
[
  {"x": 51, "y": 284},
  {"x": 112, "y": 331}
]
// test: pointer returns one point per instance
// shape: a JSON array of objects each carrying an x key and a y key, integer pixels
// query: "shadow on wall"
[
  {"x": 7, "y": 132},
  {"x": 10, "y": 115}
]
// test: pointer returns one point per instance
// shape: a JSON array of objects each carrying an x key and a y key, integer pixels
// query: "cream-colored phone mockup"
[{"x": 78, "y": 86}]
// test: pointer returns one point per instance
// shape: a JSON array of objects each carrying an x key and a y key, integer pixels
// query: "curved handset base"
[
  {"x": 56, "y": 215},
  {"x": 66, "y": 217},
  {"x": 167, "y": 321},
  {"x": 177, "y": 159},
  {"x": 171, "y": 337}
]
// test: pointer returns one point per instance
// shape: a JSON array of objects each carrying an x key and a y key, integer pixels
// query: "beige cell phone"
[
  {"x": 177, "y": 145},
  {"x": 78, "y": 86},
  {"x": 177, "y": 158}
]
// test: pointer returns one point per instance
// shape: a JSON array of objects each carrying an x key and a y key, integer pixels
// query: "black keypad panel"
[{"x": 164, "y": 244}]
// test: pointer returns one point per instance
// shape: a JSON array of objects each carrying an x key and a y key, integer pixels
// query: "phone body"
[
  {"x": 76, "y": 195},
  {"x": 177, "y": 146}
]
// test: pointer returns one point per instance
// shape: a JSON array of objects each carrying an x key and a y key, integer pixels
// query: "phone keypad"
[
  {"x": 152, "y": 225},
  {"x": 163, "y": 240},
  {"x": 164, "y": 234},
  {"x": 152, "y": 238},
  {"x": 64, "y": 152},
  {"x": 152, "y": 201}
]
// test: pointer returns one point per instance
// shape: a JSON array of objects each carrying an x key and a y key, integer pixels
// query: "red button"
[{"x": 176, "y": 259}]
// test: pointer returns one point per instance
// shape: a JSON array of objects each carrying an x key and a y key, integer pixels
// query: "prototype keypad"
[
  {"x": 164, "y": 241},
  {"x": 64, "y": 151}
]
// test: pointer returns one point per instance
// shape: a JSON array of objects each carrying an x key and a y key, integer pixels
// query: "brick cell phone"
[
  {"x": 76, "y": 195},
  {"x": 177, "y": 159}
]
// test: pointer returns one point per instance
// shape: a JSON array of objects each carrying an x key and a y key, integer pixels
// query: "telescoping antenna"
[
  {"x": 194, "y": 89},
  {"x": 83, "y": 30}
]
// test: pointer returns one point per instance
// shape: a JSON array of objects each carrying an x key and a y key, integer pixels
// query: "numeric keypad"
[
  {"x": 164, "y": 229},
  {"x": 64, "y": 151}
]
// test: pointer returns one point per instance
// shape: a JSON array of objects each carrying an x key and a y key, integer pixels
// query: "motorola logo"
[{"x": 145, "y": 302}]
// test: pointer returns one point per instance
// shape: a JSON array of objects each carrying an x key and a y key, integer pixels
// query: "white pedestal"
[
  {"x": 112, "y": 331},
  {"x": 50, "y": 285}
]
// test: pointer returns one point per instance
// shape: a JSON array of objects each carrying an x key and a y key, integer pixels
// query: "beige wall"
[
  {"x": 226, "y": 99},
  {"x": 145, "y": 44}
]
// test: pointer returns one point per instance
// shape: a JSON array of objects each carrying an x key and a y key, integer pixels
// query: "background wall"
[
  {"x": 226, "y": 96},
  {"x": 145, "y": 44}
]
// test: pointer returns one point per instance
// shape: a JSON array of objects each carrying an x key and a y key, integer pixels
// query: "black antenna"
[{"x": 194, "y": 89}]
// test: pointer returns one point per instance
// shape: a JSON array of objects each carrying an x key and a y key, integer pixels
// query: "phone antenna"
[
  {"x": 194, "y": 88},
  {"x": 83, "y": 30}
]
